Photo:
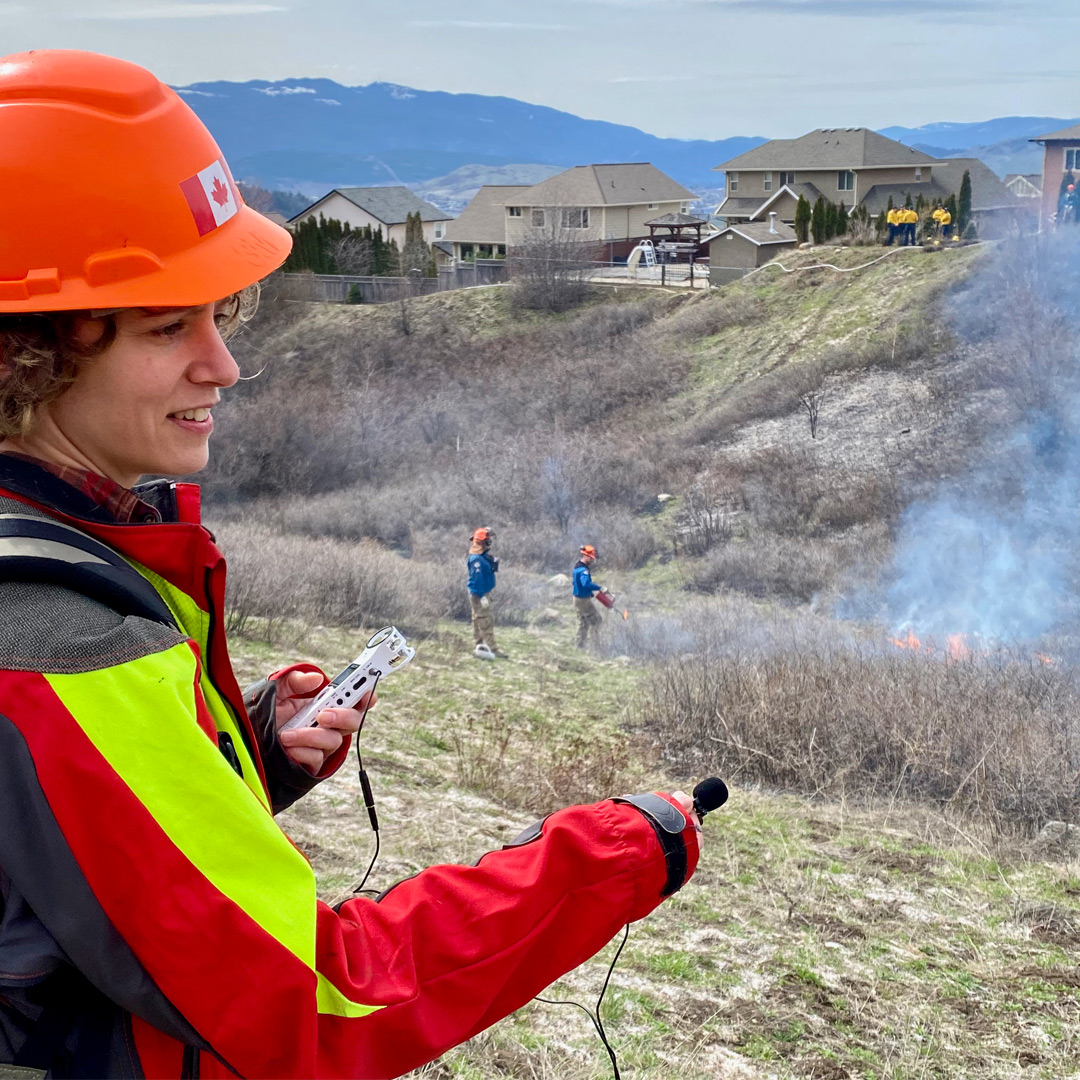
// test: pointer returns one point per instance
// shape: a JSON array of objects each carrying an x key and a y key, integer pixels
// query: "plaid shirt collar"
[{"x": 121, "y": 503}]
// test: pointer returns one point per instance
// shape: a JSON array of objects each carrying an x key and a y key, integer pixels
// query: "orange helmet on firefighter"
[
  {"x": 483, "y": 535},
  {"x": 118, "y": 195},
  {"x": 588, "y": 551}
]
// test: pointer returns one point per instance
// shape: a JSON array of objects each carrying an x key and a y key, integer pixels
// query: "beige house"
[
  {"x": 384, "y": 208},
  {"x": 857, "y": 166},
  {"x": 746, "y": 245},
  {"x": 841, "y": 164},
  {"x": 479, "y": 231},
  {"x": 1061, "y": 155},
  {"x": 605, "y": 205}
]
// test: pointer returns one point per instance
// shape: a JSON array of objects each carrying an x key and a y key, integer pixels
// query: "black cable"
[
  {"x": 365, "y": 787},
  {"x": 595, "y": 1016}
]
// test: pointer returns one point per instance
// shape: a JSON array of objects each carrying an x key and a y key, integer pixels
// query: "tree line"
[{"x": 327, "y": 246}]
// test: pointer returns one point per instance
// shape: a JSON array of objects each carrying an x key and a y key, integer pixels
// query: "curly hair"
[{"x": 41, "y": 355}]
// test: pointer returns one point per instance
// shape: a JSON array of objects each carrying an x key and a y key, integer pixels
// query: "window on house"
[
  {"x": 918, "y": 174},
  {"x": 440, "y": 230},
  {"x": 467, "y": 253},
  {"x": 787, "y": 178},
  {"x": 768, "y": 181},
  {"x": 575, "y": 217},
  {"x": 513, "y": 211},
  {"x": 654, "y": 206},
  {"x": 684, "y": 208},
  {"x": 1072, "y": 160},
  {"x": 538, "y": 219},
  {"x": 733, "y": 181},
  {"x": 845, "y": 180}
]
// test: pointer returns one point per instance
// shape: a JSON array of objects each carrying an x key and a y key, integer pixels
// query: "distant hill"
[
  {"x": 454, "y": 191},
  {"x": 1002, "y": 143},
  {"x": 311, "y": 134}
]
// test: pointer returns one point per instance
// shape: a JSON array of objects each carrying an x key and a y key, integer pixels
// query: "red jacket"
[{"x": 169, "y": 911}]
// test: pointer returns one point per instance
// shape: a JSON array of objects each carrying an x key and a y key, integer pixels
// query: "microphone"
[{"x": 710, "y": 794}]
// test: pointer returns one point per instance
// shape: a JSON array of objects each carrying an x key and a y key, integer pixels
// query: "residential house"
[
  {"x": 479, "y": 231},
  {"x": 603, "y": 205},
  {"x": 858, "y": 166},
  {"x": 384, "y": 208},
  {"x": 1024, "y": 185},
  {"x": 746, "y": 245},
  {"x": 1061, "y": 155}
]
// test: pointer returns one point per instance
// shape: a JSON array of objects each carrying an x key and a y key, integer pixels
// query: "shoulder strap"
[{"x": 34, "y": 549}]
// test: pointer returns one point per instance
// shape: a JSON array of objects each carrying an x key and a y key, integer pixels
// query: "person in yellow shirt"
[
  {"x": 908, "y": 220},
  {"x": 892, "y": 218},
  {"x": 945, "y": 221}
]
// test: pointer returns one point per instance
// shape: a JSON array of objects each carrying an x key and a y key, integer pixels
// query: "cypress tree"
[
  {"x": 950, "y": 205},
  {"x": 841, "y": 219},
  {"x": 891, "y": 206},
  {"x": 880, "y": 224},
  {"x": 803, "y": 214},
  {"x": 830, "y": 220},
  {"x": 817, "y": 221},
  {"x": 963, "y": 215}
]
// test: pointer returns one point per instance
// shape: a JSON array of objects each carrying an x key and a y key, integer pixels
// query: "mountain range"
[{"x": 309, "y": 135}]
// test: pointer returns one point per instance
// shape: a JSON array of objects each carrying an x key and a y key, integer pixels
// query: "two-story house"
[
  {"x": 384, "y": 208},
  {"x": 841, "y": 164},
  {"x": 1061, "y": 155},
  {"x": 603, "y": 205},
  {"x": 479, "y": 231}
]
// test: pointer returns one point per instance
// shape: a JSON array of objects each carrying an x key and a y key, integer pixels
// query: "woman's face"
[{"x": 143, "y": 404}]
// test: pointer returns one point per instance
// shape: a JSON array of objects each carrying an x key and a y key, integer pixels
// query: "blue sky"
[{"x": 684, "y": 68}]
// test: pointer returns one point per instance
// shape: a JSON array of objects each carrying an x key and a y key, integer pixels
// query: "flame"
[
  {"x": 956, "y": 647},
  {"x": 910, "y": 641},
  {"x": 1043, "y": 659}
]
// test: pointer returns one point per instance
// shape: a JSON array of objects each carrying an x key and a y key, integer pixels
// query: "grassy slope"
[{"x": 816, "y": 940}]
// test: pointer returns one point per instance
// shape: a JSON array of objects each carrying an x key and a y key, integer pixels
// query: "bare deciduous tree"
[{"x": 549, "y": 264}]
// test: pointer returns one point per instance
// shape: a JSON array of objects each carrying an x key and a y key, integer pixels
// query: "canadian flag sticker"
[{"x": 212, "y": 196}]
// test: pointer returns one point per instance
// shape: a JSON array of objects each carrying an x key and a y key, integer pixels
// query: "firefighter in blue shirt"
[
  {"x": 483, "y": 567},
  {"x": 584, "y": 590}
]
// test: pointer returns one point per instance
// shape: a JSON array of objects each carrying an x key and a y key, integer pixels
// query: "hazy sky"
[{"x": 686, "y": 68}]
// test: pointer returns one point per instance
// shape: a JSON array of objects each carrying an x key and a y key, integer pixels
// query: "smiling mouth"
[{"x": 191, "y": 414}]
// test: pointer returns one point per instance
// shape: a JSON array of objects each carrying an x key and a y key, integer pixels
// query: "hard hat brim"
[{"x": 241, "y": 252}]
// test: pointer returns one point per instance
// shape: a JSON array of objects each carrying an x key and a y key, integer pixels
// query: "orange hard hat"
[
  {"x": 589, "y": 550},
  {"x": 116, "y": 194},
  {"x": 482, "y": 535}
]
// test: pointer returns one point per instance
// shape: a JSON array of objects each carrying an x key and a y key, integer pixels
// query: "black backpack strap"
[{"x": 34, "y": 549}]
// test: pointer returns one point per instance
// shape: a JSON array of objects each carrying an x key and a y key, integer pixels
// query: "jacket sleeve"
[
  {"x": 286, "y": 779},
  {"x": 168, "y": 883}
]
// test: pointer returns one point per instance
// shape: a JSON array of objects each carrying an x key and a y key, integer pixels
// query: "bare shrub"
[
  {"x": 537, "y": 768},
  {"x": 776, "y": 567},
  {"x": 712, "y": 314},
  {"x": 995, "y": 736},
  {"x": 548, "y": 266}
]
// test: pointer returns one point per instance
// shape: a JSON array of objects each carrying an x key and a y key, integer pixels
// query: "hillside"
[{"x": 871, "y": 902}]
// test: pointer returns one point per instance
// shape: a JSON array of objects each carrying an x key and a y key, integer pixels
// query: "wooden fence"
[{"x": 335, "y": 288}]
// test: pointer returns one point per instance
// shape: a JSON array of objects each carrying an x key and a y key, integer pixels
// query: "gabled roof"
[
  {"x": 607, "y": 185},
  {"x": 829, "y": 148},
  {"x": 757, "y": 232},
  {"x": 758, "y": 207},
  {"x": 987, "y": 190},
  {"x": 483, "y": 221},
  {"x": 390, "y": 205},
  {"x": 1069, "y": 134}
]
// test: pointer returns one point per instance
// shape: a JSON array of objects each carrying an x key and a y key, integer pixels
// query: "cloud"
[
  {"x": 461, "y": 24},
  {"x": 655, "y": 78},
  {"x": 182, "y": 11}
]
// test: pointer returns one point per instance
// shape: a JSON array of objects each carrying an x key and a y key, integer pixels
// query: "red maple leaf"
[{"x": 220, "y": 194}]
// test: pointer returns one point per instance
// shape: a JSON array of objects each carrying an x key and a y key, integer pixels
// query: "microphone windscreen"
[{"x": 710, "y": 794}]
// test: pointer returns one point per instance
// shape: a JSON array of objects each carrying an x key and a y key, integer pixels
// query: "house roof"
[
  {"x": 1069, "y": 134},
  {"x": 627, "y": 184},
  {"x": 734, "y": 206},
  {"x": 757, "y": 232},
  {"x": 752, "y": 208},
  {"x": 483, "y": 221},
  {"x": 390, "y": 205},
  {"x": 1025, "y": 185},
  {"x": 829, "y": 148},
  {"x": 987, "y": 190},
  {"x": 877, "y": 198}
]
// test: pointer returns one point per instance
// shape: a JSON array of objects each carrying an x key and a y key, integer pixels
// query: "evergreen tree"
[
  {"x": 415, "y": 255},
  {"x": 907, "y": 202},
  {"x": 963, "y": 204},
  {"x": 817, "y": 221},
  {"x": 891, "y": 206},
  {"x": 842, "y": 219},
  {"x": 830, "y": 220},
  {"x": 803, "y": 213},
  {"x": 881, "y": 223},
  {"x": 950, "y": 205}
]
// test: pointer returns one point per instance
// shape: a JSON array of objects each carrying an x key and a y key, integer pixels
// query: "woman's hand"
[
  {"x": 312, "y": 746},
  {"x": 687, "y": 804}
]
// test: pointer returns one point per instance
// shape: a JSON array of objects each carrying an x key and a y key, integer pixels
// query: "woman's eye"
[{"x": 169, "y": 330}]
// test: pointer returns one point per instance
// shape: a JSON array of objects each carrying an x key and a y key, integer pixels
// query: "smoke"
[{"x": 994, "y": 554}]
